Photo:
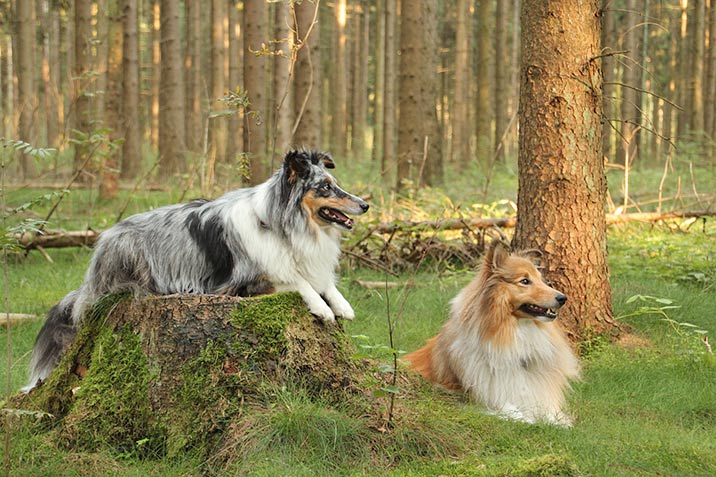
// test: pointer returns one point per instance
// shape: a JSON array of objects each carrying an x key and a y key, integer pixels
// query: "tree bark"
[
  {"x": 83, "y": 66},
  {"x": 235, "y": 131},
  {"x": 697, "y": 68},
  {"x": 339, "y": 88},
  {"x": 282, "y": 104},
  {"x": 562, "y": 184}
]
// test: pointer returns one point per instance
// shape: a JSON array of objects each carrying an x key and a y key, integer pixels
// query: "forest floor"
[{"x": 645, "y": 405}]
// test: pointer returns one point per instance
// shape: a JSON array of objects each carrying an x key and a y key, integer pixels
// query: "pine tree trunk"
[
  {"x": 255, "y": 20},
  {"x": 172, "y": 148},
  {"x": 483, "y": 103},
  {"x": 234, "y": 136},
  {"x": 501, "y": 86},
  {"x": 390, "y": 116},
  {"x": 113, "y": 113},
  {"x": 194, "y": 122},
  {"x": 360, "y": 82},
  {"x": 282, "y": 104},
  {"x": 461, "y": 98},
  {"x": 608, "y": 43},
  {"x": 379, "y": 81},
  {"x": 55, "y": 113},
  {"x": 217, "y": 125},
  {"x": 156, "y": 71},
  {"x": 697, "y": 68},
  {"x": 25, "y": 63},
  {"x": 339, "y": 88},
  {"x": 131, "y": 148},
  {"x": 630, "y": 114},
  {"x": 562, "y": 183},
  {"x": 83, "y": 65},
  {"x": 307, "y": 78}
]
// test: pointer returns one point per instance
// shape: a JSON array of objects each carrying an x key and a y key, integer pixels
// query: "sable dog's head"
[
  {"x": 516, "y": 279},
  {"x": 323, "y": 201}
]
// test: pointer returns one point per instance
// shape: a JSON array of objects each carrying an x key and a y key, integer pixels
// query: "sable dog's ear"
[
  {"x": 298, "y": 163},
  {"x": 496, "y": 255},
  {"x": 533, "y": 255}
]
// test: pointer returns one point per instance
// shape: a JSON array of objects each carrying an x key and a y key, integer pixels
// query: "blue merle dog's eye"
[{"x": 324, "y": 188}]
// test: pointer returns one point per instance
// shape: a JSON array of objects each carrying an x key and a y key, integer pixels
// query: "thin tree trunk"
[
  {"x": 360, "y": 82},
  {"x": 697, "y": 68},
  {"x": 194, "y": 122},
  {"x": 339, "y": 89},
  {"x": 483, "y": 103},
  {"x": 55, "y": 119},
  {"x": 630, "y": 114},
  {"x": 156, "y": 72},
  {"x": 391, "y": 73},
  {"x": 82, "y": 68},
  {"x": 217, "y": 126},
  {"x": 172, "y": 148},
  {"x": 255, "y": 22},
  {"x": 131, "y": 148},
  {"x": 562, "y": 183},
  {"x": 113, "y": 113},
  {"x": 501, "y": 86},
  {"x": 25, "y": 61},
  {"x": 379, "y": 101},
  {"x": 710, "y": 79},
  {"x": 461, "y": 98},
  {"x": 282, "y": 91},
  {"x": 307, "y": 97},
  {"x": 608, "y": 41},
  {"x": 234, "y": 136}
]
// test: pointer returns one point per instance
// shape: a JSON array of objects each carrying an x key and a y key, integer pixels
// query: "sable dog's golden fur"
[{"x": 500, "y": 343}]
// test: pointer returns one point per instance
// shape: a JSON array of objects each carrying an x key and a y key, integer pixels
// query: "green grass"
[{"x": 643, "y": 408}]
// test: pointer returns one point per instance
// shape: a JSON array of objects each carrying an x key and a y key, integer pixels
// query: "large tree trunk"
[
  {"x": 179, "y": 370},
  {"x": 172, "y": 134},
  {"x": 562, "y": 184},
  {"x": 131, "y": 148}
]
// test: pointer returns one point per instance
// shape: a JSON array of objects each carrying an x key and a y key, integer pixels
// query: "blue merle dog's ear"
[
  {"x": 298, "y": 164},
  {"x": 326, "y": 160}
]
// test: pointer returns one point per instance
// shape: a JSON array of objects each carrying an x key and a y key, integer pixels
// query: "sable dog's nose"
[{"x": 561, "y": 299}]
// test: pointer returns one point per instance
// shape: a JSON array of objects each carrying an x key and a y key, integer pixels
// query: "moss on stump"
[{"x": 172, "y": 373}]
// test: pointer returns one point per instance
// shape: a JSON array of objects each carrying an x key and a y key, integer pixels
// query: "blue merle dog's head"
[{"x": 306, "y": 179}]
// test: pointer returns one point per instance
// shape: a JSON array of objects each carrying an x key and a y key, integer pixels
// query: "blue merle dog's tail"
[{"x": 56, "y": 335}]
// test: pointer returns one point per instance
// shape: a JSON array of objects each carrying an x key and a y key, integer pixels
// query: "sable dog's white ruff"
[{"x": 282, "y": 235}]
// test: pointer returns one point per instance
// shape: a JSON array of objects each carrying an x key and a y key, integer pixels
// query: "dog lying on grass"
[
  {"x": 282, "y": 235},
  {"x": 500, "y": 343}
]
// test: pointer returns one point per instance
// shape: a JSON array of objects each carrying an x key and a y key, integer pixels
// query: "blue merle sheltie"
[{"x": 282, "y": 235}]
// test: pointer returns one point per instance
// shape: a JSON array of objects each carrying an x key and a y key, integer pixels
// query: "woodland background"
[{"x": 220, "y": 89}]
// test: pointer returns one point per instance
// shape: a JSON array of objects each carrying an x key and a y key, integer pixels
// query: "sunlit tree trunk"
[
  {"x": 697, "y": 67},
  {"x": 378, "y": 101},
  {"x": 55, "y": 119},
  {"x": 307, "y": 78},
  {"x": 156, "y": 72},
  {"x": 131, "y": 148},
  {"x": 172, "y": 134},
  {"x": 359, "y": 119},
  {"x": 339, "y": 87},
  {"x": 608, "y": 43},
  {"x": 217, "y": 125},
  {"x": 562, "y": 183},
  {"x": 255, "y": 21}
]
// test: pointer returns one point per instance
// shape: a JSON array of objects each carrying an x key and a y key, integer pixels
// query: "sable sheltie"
[
  {"x": 282, "y": 235},
  {"x": 500, "y": 343}
]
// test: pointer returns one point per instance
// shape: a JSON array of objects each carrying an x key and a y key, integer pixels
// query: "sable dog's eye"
[{"x": 525, "y": 281}]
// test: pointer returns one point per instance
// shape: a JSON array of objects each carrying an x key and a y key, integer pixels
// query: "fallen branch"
[
  {"x": 15, "y": 318},
  {"x": 57, "y": 239}
]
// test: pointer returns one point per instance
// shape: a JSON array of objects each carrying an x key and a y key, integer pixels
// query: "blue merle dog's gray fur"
[{"x": 194, "y": 248}]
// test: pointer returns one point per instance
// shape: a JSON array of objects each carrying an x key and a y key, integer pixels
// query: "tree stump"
[{"x": 175, "y": 371}]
